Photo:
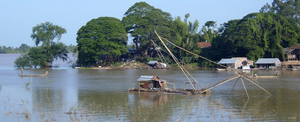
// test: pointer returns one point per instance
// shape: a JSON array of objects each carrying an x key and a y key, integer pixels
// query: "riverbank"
[{"x": 138, "y": 65}]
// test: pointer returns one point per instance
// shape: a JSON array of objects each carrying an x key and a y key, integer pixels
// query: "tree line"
[
  {"x": 103, "y": 41},
  {"x": 257, "y": 35},
  {"x": 24, "y": 49}
]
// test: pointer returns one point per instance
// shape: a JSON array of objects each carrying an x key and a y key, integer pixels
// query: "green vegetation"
[
  {"x": 104, "y": 36},
  {"x": 49, "y": 50},
  {"x": 140, "y": 21},
  {"x": 103, "y": 41},
  {"x": 257, "y": 35},
  {"x": 22, "y": 49}
]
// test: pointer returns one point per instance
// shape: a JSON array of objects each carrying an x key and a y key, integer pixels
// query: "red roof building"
[{"x": 204, "y": 44}]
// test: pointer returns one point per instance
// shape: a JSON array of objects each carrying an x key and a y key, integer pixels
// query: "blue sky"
[{"x": 19, "y": 16}]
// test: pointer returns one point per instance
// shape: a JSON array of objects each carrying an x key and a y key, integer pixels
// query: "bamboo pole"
[
  {"x": 245, "y": 88},
  {"x": 235, "y": 84},
  {"x": 258, "y": 86},
  {"x": 193, "y": 53},
  {"x": 174, "y": 59}
]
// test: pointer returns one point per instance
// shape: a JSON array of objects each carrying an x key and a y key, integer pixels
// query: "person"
[
  {"x": 22, "y": 71},
  {"x": 277, "y": 73},
  {"x": 252, "y": 73}
]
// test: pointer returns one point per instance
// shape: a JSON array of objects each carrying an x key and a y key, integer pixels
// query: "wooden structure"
[
  {"x": 268, "y": 63},
  {"x": 292, "y": 53},
  {"x": 203, "y": 90},
  {"x": 256, "y": 77},
  {"x": 33, "y": 75},
  {"x": 231, "y": 63},
  {"x": 246, "y": 64},
  {"x": 292, "y": 56},
  {"x": 155, "y": 84}
]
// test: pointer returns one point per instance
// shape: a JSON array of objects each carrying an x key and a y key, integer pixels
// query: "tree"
[
  {"x": 23, "y": 61},
  {"x": 285, "y": 8},
  {"x": 47, "y": 33},
  {"x": 141, "y": 19},
  {"x": 101, "y": 36},
  {"x": 23, "y": 48},
  {"x": 37, "y": 57},
  {"x": 186, "y": 36},
  {"x": 258, "y": 35}
]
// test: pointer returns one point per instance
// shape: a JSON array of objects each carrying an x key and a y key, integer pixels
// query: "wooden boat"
[
  {"x": 263, "y": 76},
  {"x": 33, "y": 75},
  {"x": 155, "y": 84},
  {"x": 221, "y": 69}
]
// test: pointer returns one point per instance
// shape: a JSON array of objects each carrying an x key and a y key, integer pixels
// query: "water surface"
[{"x": 101, "y": 95}]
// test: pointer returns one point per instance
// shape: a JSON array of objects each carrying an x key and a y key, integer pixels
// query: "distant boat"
[
  {"x": 221, "y": 69},
  {"x": 263, "y": 76},
  {"x": 33, "y": 75}
]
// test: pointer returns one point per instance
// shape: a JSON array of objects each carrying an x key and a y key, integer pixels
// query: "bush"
[{"x": 23, "y": 61}]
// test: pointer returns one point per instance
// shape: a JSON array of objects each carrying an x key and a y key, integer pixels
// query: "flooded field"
[{"x": 102, "y": 95}]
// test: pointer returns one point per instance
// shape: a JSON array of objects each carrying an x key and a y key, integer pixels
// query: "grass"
[{"x": 26, "y": 84}]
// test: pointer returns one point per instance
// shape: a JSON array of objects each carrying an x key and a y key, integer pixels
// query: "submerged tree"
[
  {"x": 102, "y": 36},
  {"x": 47, "y": 33},
  {"x": 49, "y": 50},
  {"x": 23, "y": 61}
]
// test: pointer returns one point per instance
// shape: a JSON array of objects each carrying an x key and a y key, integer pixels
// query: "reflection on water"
[{"x": 101, "y": 95}]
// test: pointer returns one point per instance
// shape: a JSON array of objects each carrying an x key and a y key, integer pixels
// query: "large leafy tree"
[
  {"x": 101, "y": 36},
  {"x": 208, "y": 31},
  {"x": 24, "y": 48},
  {"x": 49, "y": 50},
  {"x": 47, "y": 33},
  {"x": 285, "y": 8},
  {"x": 258, "y": 35},
  {"x": 186, "y": 36},
  {"x": 141, "y": 20}
]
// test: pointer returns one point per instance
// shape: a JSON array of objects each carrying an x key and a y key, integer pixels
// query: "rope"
[
  {"x": 194, "y": 53},
  {"x": 175, "y": 59},
  {"x": 159, "y": 53}
]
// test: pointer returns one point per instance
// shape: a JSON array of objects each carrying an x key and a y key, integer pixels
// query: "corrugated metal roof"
[
  {"x": 148, "y": 78},
  {"x": 152, "y": 62},
  {"x": 287, "y": 50},
  {"x": 145, "y": 78},
  {"x": 266, "y": 60},
  {"x": 227, "y": 61}
]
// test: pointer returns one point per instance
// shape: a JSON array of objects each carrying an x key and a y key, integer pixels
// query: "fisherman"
[
  {"x": 251, "y": 73},
  {"x": 277, "y": 73},
  {"x": 22, "y": 71}
]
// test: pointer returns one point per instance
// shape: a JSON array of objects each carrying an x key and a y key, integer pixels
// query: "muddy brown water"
[{"x": 69, "y": 94}]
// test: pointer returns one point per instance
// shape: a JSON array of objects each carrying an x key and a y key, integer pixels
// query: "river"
[{"x": 69, "y": 94}]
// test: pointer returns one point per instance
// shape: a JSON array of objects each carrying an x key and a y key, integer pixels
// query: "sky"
[{"x": 19, "y": 16}]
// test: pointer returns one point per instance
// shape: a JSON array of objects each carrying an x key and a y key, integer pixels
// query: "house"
[
  {"x": 268, "y": 63},
  {"x": 292, "y": 57},
  {"x": 231, "y": 63},
  {"x": 292, "y": 53},
  {"x": 246, "y": 64},
  {"x": 204, "y": 45}
]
